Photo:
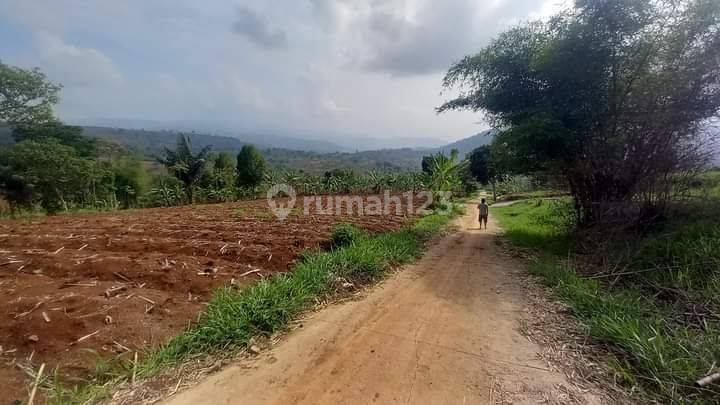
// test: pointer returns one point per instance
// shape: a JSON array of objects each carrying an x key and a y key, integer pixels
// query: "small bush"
[{"x": 345, "y": 235}]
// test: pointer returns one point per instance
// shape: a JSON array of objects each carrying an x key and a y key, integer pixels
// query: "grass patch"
[
  {"x": 537, "y": 224},
  {"x": 654, "y": 351},
  {"x": 234, "y": 317}
]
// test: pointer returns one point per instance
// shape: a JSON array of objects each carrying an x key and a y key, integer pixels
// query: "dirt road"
[{"x": 443, "y": 331}]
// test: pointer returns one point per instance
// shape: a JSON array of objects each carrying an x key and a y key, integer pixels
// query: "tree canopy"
[
  {"x": 51, "y": 173},
  {"x": 26, "y": 96},
  {"x": 68, "y": 135},
  {"x": 612, "y": 94},
  {"x": 250, "y": 167}
]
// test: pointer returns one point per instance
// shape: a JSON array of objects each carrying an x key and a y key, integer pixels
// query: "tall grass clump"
[{"x": 686, "y": 258}]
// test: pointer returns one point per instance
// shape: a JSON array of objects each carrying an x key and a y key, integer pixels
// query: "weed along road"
[{"x": 442, "y": 331}]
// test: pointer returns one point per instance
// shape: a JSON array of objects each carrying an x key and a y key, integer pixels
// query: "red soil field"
[{"x": 129, "y": 280}]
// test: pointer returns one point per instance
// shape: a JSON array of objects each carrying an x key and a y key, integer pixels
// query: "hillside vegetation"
[{"x": 148, "y": 143}]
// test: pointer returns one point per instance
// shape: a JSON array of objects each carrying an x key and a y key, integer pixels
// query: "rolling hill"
[{"x": 467, "y": 145}]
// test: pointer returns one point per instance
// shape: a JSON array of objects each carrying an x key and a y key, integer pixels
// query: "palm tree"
[{"x": 185, "y": 165}]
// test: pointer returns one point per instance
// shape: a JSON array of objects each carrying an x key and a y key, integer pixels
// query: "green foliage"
[
  {"x": 481, "y": 165},
  {"x": 537, "y": 224},
  {"x": 250, "y": 167},
  {"x": 166, "y": 191},
  {"x": 444, "y": 172},
  {"x": 218, "y": 183},
  {"x": 68, "y": 135},
  {"x": 185, "y": 165},
  {"x": 483, "y": 168},
  {"x": 653, "y": 350},
  {"x": 132, "y": 181},
  {"x": 572, "y": 93},
  {"x": 345, "y": 235},
  {"x": 224, "y": 161},
  {"x": 664, "y": 358},
  {"x": 347, "y": 181},
  {"x": 26, "y": 96},
  {"x": 684, "y": 256},
  {"x": 53, "y": 175},
  {"x": 340, "y": 180}
]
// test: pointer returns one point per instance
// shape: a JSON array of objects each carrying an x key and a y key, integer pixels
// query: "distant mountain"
[
  {"x": 467, "y": 145},
  {"x": 291, "y": 138},
  {"x": 152, "y": 142},
  {"x": 107, "y": 128}
]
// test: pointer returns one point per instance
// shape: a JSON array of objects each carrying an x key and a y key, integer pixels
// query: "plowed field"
[{"x": 125, "y": 281}]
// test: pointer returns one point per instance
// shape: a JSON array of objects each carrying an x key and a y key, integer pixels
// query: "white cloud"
[{"x": 74, "y": 66}]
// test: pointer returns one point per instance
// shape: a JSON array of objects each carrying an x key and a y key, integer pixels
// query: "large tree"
[
  {"x": 185, "y": 165},
  {"x": 250, "y": 167},
  {"x": 613, "y": 94},
  {"x": 26, "y": 96},
  {"x": 483, "y": 168}
]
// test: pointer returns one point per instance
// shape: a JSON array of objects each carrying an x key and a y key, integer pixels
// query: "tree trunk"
[
  {"x": 493, "y": 191},
  {"x": 62, "y": 200},
  {"x": 190, "y": 194}
]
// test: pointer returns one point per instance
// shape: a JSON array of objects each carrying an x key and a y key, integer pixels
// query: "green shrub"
[{"x": 345, "y": 235}]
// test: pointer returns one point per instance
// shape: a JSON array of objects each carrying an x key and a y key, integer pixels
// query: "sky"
[{"x": 328, "y": 67}]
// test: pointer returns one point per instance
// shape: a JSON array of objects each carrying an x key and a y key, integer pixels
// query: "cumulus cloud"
[
  {"x": 257, "y": 29},
  {"x": 75, "y": 66},
  {"x": 415, "y": 37}
]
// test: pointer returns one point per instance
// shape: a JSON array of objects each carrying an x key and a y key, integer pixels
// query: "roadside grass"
[
  {"x": 537, "y": 224},
  {"x": 234, "y": 318},
  {"x": 655, "y": 349}
]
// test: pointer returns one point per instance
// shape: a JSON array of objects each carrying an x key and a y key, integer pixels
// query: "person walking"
[{"x": 484, "y": 210}]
